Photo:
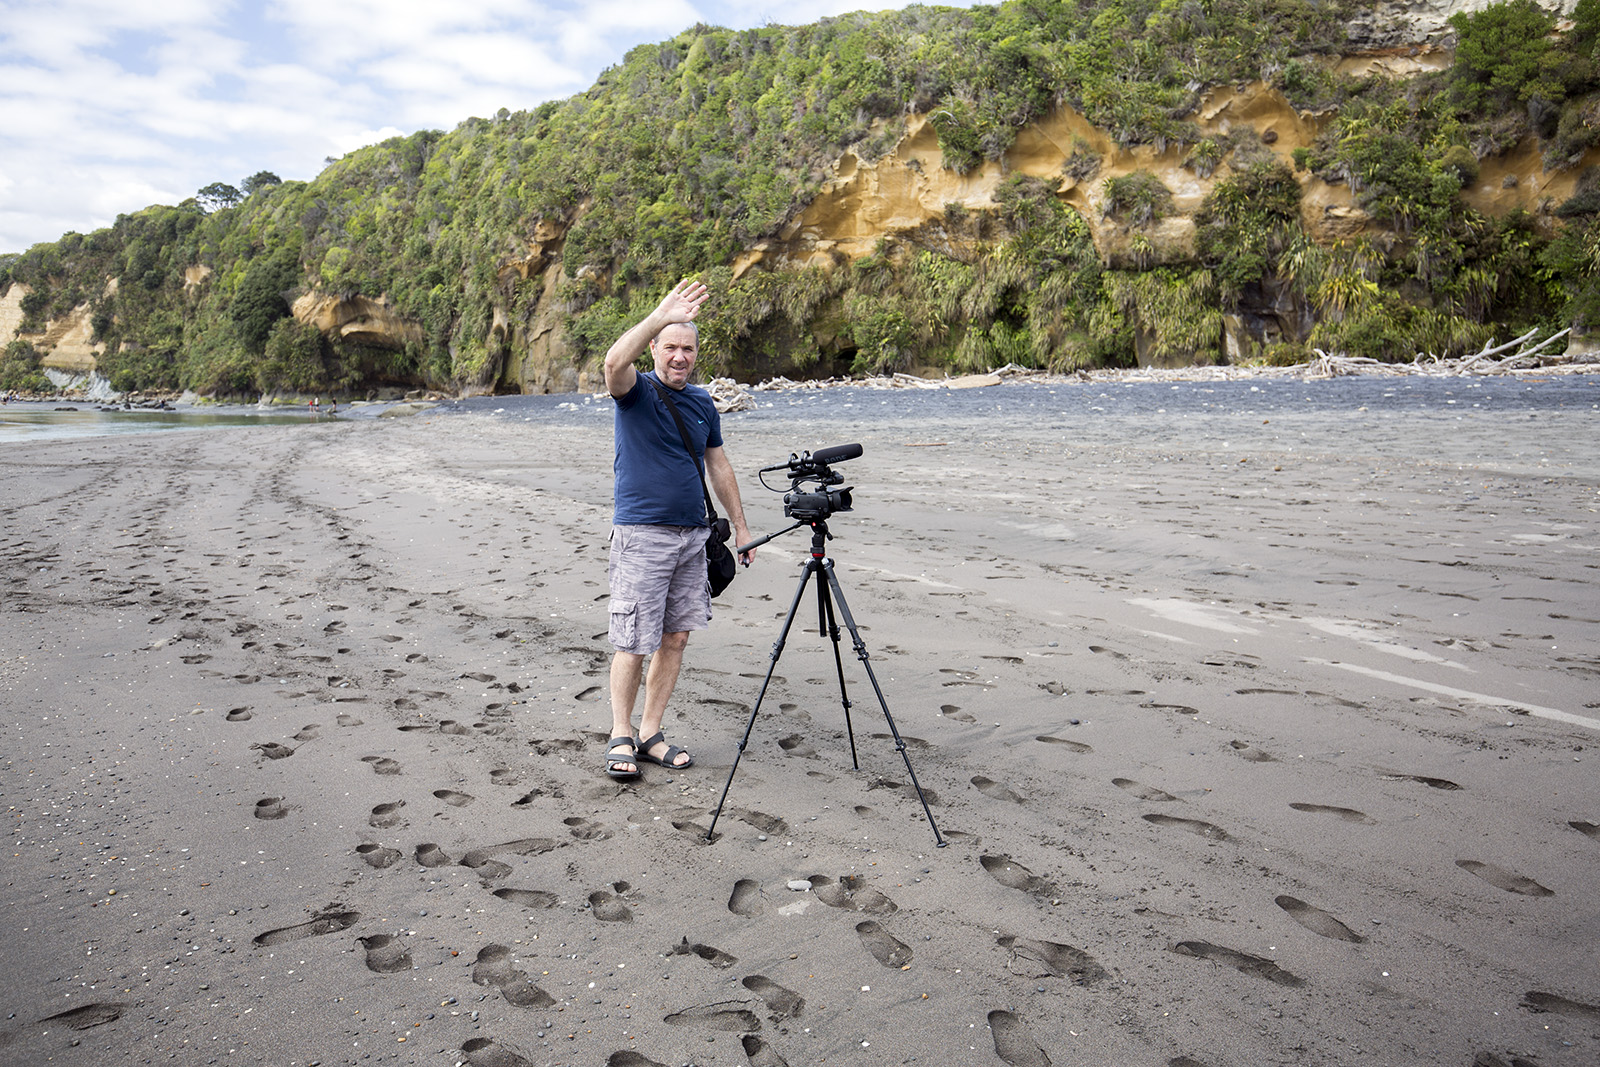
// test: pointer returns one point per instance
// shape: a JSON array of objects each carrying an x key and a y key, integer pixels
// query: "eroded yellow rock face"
[
  {"x": 863, "y": 203},
  {"x": 11, "y": 311},
  {"x": 358, "y": 319},
  {"x": 67, "y": 342}
]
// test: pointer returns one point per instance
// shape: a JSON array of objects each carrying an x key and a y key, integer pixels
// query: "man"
[{"x": 659, "y": 590}]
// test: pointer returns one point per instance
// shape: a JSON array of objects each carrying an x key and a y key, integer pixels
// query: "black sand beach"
[{"x": 1271, "y": 749}]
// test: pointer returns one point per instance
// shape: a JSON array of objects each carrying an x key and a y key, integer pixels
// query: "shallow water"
[
  {"x": 53, "y": 420},
  {"x": 1521, "y": 426}
]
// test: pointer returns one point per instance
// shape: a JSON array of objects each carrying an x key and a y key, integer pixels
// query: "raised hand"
[{"x": 683, "y": 303}]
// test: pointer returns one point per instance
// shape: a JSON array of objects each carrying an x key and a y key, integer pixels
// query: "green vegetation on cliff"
[{"x": 692, "y": 150}]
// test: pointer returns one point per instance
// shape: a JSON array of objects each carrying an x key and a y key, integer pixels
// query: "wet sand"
[{"x": 1244, "y": 754}]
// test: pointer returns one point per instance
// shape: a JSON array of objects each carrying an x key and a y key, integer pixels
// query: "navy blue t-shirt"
[{"x": 658, "y": 483}]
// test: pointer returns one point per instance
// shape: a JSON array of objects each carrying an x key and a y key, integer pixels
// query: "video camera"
[{"x": 816, "y": 504}]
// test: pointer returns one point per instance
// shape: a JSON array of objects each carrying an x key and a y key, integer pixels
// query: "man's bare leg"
[
  {"x": 659, "y": 683},
  {"x": 626, "y": 670}
]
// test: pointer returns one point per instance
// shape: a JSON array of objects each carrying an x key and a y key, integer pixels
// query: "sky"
[{"x": 109, "y": 106}]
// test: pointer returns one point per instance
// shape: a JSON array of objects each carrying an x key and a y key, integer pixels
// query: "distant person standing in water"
[{"x": 657, "y": 570}]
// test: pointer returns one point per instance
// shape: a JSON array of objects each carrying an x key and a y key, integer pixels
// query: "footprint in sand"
[
  {"x": 1055, "y": 689},
  {"x": 454, "y": 798},
  {"x": 328, "y": 922},
  {"x": 1501, "y": 878},
  {"x": 386, "y": 953},
  {"x": 1050, "y": 959},
  {"x": 1252, "y": 753},
  {"x": 593, "y": 693},
  {"x": 1430, "y": 782},
  {"x": 271, "y": 808},
  {"x": 1179, "y": 709},
  {"x": 995, "y": 791},
  {"x": 416, "y": 657},
  {"x": 390, "y": 638},
  {"x": 347, "y": 720},
  {"x": 1587, "y": 829},
  {"x": 273, "y": 750},
  {"x": 694, "y": 831},
  {"x": 608, "y": 908},
  {"x": 953, "y": 711},
  {"x": 1070, "y": 746},
  {"x": 1347, "y": 814},
  {"x": 1013, "y": 1043},
  {"x": 488, "y": 870},
  {"x": 238, "y": 715},
  {"x": 450, "y": 726},
  {"x": 884, "y": 947},
  {"x": 712, "y": 955},
  {"x": 431, "y": 855},
  {"x": 851, "y": 893},
  {"x": 767, "y": 824},
  {"x": 795, "y": 745},
  {"x": 528, "y": 898},
  {"x": 761, "y": 1054},
  {"x": 746, "y": 898},
  {"x": 1014, "y": 875},
  {"x": 309, "y": 732},
  {"x": 629, "y": 1058},
  {"x": 387, "y": 815},
  {"x": 84, "y": 1016},
  {"x": 585, "y": 829},
  {"x": 502, "y": 776},
  {"x": 915, "y": 744},
  {"x": 1143, "y": 792},
  {"x": 782, "y": 1002},
  {"x": 377, "y": 855},
  {"x": 382, "y": 764},
  {"x": 1538, "y": 1002},
  {"x": 1316, "y": 920},
  {"x": 728, "y": 1015},
  {"x": 493, "y": 967},
  {"x": 1243, "y": 962},
  {"x": 1193, "y": 826}
]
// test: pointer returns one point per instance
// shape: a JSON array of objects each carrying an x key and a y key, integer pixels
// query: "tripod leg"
[
  {"x": 861, "y": 654},
  {"x": 811, "y": 567},
  {"x": 830, "y": 629}
]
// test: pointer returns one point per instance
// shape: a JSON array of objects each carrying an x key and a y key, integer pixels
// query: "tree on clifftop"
[
  {"x": 218, "y": 195},
  {"x": 261, "y": 179}
]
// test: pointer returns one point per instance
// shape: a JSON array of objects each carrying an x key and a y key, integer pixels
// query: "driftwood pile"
[{"x": 729, "y": 395}]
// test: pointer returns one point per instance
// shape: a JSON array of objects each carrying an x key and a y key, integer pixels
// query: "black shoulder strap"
[{"x": 683, "y": 431}]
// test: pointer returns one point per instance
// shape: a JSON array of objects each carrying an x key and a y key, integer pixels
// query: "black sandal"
[
  {"x": 614, "y": 763},
  {"x": 673, "y": 752}
]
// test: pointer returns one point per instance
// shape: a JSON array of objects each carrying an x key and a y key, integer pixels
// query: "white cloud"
[{"x": 107, "y": 106}]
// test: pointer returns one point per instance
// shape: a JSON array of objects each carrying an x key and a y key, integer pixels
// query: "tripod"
[{"x": 828, "y": 592}]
